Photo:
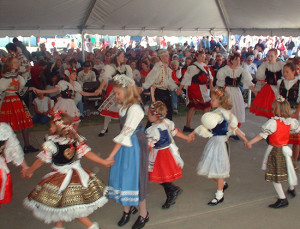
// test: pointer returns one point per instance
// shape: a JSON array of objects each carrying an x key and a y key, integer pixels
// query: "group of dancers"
[{"x": 140, "y": 155}]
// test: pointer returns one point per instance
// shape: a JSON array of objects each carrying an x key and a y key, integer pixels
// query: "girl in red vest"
[{"x": 277, "y": 162}]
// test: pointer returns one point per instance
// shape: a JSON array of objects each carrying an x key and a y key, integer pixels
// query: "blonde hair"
[
  {"x": 160, "y": 108},
  {"x": 131, "y": 94},
  {"x": 223, "y": 98},
  {"x": 282, "y": 109}
]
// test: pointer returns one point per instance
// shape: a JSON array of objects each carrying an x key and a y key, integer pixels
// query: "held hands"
[
  {"x": 98, "y": 92},
  {"x": 28, "y": 173},
  {"x": 248, "y": 145},
  {"x": 35, "y": 90},
  {"x": 191, "y": 137},
  {"x": 178, "y": 91}
]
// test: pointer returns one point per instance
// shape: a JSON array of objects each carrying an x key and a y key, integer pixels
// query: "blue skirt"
[{"x": 124, "y": 175}]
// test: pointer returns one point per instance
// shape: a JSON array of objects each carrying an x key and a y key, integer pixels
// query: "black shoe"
[
  {"x": 291, "y": 193},
  {"x": 235, "y": 137},
  {"x": 187, "y": 129},
  {"x": 225, "y": 186},
  {"x": 126, "y": 216},
  {"x": 140, "y": 222},
  {"x": 102, "y": 133},
  {"x": 280, "y": 203},
  {"x": 171, "y": 198},
  {"x": 30, "y": 149},
  {"x": 215, "y": 201}
]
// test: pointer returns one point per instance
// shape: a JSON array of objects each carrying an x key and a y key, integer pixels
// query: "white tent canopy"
[{"x": 149, "y": 17}]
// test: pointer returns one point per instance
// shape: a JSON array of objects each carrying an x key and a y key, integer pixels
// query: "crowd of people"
[{"x": 135, "y": 82}]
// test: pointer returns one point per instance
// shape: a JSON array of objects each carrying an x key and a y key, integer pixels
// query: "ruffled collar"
[
  {"x": 10, "y": 75},
  {"x": 286, "y": 121}
]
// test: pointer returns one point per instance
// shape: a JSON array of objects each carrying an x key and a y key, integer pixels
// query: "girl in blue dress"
[{"x": 128, "y": 179}]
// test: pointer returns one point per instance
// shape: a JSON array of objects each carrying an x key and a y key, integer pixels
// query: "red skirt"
[
  {"x": 7, "y": 189},
  {"x": 14, "y": 112},
  {"x": 294, "y": 139},
  {"x": 262, "y": 104},
  {"x": 196, "y": 98},
  {"x": 165, "y": 168}
]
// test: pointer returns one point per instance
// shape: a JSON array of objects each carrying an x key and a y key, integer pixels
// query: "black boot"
[
  {"x": 140, "y": 222},
  {"x": 172, "y": 193},
  {"x": 126, "y": 216},
  {"x": 280, "y": 203}
]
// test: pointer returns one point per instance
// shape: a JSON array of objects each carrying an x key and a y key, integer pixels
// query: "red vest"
[{"x": 281, "y": 135}]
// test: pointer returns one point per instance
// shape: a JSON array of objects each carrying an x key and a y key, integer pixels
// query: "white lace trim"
[
  {"x": 13, "y": 151},
  {"x": 286, "y": 121},
  {"x": 67, "y": 214},
  {"x": 59, "y": 139},
  {"x": 122, "y": 193},
  {"x": 5, "y": 131}
]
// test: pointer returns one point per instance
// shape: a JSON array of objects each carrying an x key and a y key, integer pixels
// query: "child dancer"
[
  {"x": 217, "y": 125},
  {"x": 165, "y": 163},
  {"x": 128, "y": 180},
  {"x": 289, "y": 89},
  {"x": 269, "y": 72},
  {"x": 277, "y": 162},
  {"x": 10, "y": 151},
  {"x": 67, "y": 88},
  {"x": 69, "y": 191}
]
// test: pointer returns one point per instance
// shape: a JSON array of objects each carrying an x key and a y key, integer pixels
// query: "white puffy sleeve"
[
  {"x": 13, "y": 151},
  {"x": 49, "y": 148},
  {"x": 268, "y": 128},
  {"x": 261, "y": 71},
  {"x": 82, "y": 149},
  {"x": 135, "y": 115},
  {"x": 295, "y": 126},
  {"x": 232, "y": 120},
  {"x": 171, "y": 126},
  {"x": 62, "y": 85},
  {"x": 151, "y": 77},
  {"x": 4, "y": 83},
  {"x": 190, "y": 72},
  {"x": 77, "y": 86},
  {"x": 153, "y": 135},
  {"x": 107, "y": 73},
  {"x": 246, "y": 78},
  {"x": 221, "y": 75},
  {"x": 129, "y": 71}
]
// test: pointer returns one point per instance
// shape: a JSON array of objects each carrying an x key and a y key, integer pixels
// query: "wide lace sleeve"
[
  {"x": 129, "y": 71},
  {"x": 190, "y": 72},
  {"x": 82, "y": 149},
  {"x": 108, "y": 72},
  {"x": 221, "y": 77},
  {"x": 13, "y": 151},
  {"x": 62, "y": 85},
  {"x": 261, "y": 72},
  {"x": 134, "y": 116},
  {"x": 171, "y": 126},
  {"x": 268, "y": 128},
  {"x": 153, "y": 135},
  {"x": 246, "y": 78},
  {"x": 294, "y": 123},
  {"x": 4, "y": 83},
  {"x": 49, "y": 148}
]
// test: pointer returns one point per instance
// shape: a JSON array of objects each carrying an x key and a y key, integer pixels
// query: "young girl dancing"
[
  {"x": 165, "y": 163},
  {"x": 289, "y": 89},
  {"x": 10, "y": 151},
  {"x": 69, "y": 89},
  {"x": 277, "y": 162},
  {"x": 69, "y": 191},
  {"x": 218, "y": 125},
  {"x": 268, "y": 74},
  {"x": 128, "y": 178}
]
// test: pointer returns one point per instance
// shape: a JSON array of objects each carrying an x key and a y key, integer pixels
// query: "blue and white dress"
[
  {"x": 128, "y": 178},
  {"x": 214, "y": 162}
]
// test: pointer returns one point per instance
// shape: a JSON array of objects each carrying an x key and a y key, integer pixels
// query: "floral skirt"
[{"x": 75, "y": 201}]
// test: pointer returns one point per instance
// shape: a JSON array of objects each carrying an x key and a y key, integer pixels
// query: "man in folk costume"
[{"x": 160, "y": 79}]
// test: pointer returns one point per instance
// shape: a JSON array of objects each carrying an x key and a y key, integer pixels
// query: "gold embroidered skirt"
[{"x": 74, "y": 202}]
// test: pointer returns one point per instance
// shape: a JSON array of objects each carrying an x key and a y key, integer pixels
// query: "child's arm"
[
  {"x": 48, "y": 91},
  {"x": 37, "y": 164},
  {"x": 24, "y": 168},
  {"x": 252, "y": 141},
  {"x": 100, "y": 88},
  {"x": 95, "y": 158},
  {"x": 114, "y": 151},
  {"x": 183, "y": 136},
  {"x": 84, "y": 93}
]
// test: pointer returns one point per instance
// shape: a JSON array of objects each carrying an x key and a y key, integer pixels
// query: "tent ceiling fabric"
[{"x": 148, "y": 17}]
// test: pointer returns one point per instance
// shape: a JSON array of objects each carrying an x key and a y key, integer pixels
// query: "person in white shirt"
[
  {"x": 42, "y": 105},
  {"x": 86, "y": 75},
  {"x": 136, "y": 73},
  {"x": 250, "y": 66}
]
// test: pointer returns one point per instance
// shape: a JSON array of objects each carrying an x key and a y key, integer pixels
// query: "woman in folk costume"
[
  {"x": 289, "y": 88},
  {"x": 229, "y": 78},
  {"x": 268, "y": 75},
  {"x": 277, "y": 163},
  {"x": 165, "y": 163},
  {"x": 10, "y": 151},
  {"x": 198, "y": 81},
  {"x": 218, "y": 125},
  {"x": 13, "y": 110},
  {"x": 128, "y": 178},
  {"x": 109, "y": 109},
  {"x": 69, "y": 191},
  {"x": 69, "y": 89}
]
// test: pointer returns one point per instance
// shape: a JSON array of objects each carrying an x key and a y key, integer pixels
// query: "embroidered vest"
[
  {"x": 292, "y": 94},
  {"x": 232, "y": 82},
  {"x": 65, "y": 154},
  {"x": 201, "y": 77},
  {"x": 164, "y": 140},
  {"x": 273, "y": 77}
]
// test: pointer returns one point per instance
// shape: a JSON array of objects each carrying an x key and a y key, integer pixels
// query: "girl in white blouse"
[{"x": 128, "y": 180}]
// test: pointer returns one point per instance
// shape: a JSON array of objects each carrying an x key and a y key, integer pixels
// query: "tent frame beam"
[{"x": 91, "y": 7}]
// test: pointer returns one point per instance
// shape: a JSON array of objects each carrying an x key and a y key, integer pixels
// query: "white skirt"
[
  {"x": 237, "y": 101},
  {"x": 214, "y": 161}
]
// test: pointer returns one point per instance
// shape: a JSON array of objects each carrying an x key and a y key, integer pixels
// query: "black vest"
[{"x": 292, "y": 94}]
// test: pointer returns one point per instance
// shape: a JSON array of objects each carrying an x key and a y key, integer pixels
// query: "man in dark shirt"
[
  {"x": 259, "y": 46},
  {"x": 290, "y": 46}
]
